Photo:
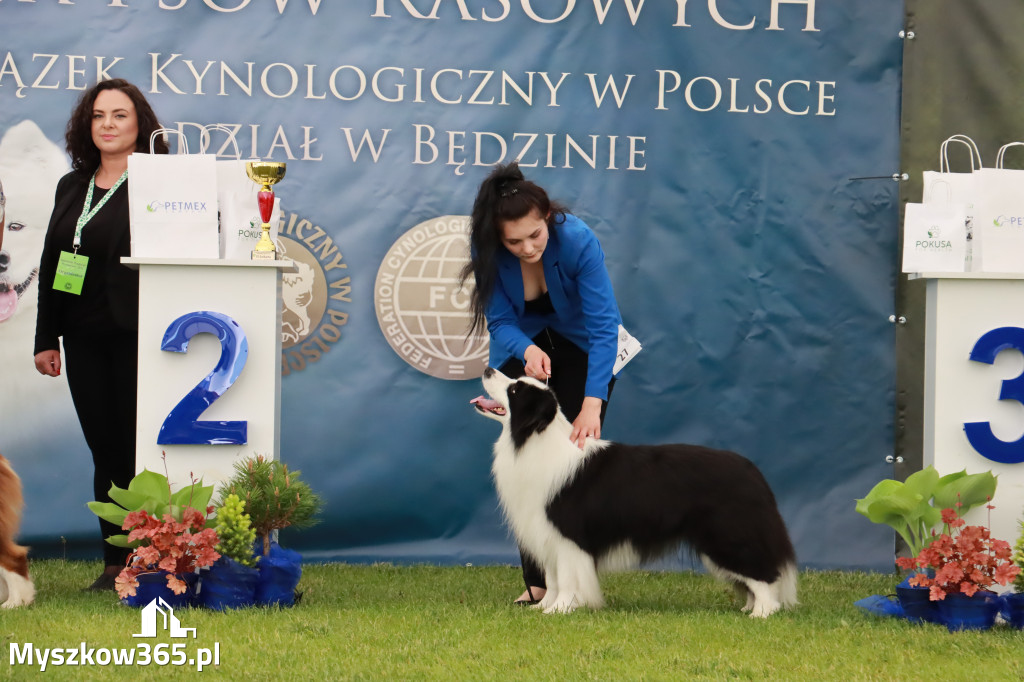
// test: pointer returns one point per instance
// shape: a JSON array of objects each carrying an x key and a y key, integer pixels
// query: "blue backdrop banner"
[{"x": 714, "y": 147}]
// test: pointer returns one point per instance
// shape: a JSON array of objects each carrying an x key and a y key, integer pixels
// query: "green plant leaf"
[
  {"x": 108, "y": 511},
  {"x": 196, "y": 496},
  {"x": 890, "y": 500},
  {"x": 970, "y": 490},
  {"x": 150, "y": 484},
  {"x": 881, "y": 490},
  {"x": 129, "y": 499},
  {"x": 896, "y": 510},
  {"x": 923, "y": 482},
  {"x": 119, "y": 541}
]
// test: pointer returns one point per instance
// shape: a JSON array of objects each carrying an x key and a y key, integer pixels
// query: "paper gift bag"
[
  {"x": 172, "y": 205},
  {"x": 238, "y": 208},
  {"x": 944, "y": 186},
  {"x": 999, "y": 216},
  {"x": 240, "y": 224},
  {"x": 934, "y": 237}
]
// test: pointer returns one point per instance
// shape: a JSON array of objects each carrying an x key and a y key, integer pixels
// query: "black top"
[
  {"x": 110, "y": 292},
  {"x": 539, "y": 306}
]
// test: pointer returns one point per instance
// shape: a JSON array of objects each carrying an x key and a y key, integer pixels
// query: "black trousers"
[
  {"x": 568, "y": 382},
  {"x": 102, "y": 371}
]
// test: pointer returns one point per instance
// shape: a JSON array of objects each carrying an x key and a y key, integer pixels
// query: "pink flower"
[
  {"x": 966, "y": 560},
  {"x": 168, "y": 545}
]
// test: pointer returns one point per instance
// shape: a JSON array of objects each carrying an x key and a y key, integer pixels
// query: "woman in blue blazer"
[{"x": 544, "y": 293}]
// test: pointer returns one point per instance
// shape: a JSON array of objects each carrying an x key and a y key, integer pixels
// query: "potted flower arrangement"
[
  {"x": 966, "y": 561},
  {"x": 913, "y": 508},
  {"x": 168, "y": 533},
  {"x": 274, "y": 498},
  {"x": 170, "y": 552}
]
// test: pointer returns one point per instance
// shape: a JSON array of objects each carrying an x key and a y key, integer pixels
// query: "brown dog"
[{"x": 13, "y": 557}]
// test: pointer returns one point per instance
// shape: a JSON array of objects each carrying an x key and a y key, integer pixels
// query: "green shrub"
[
  {"x": 234, "y": 528},
  {"x": 274, "y": 497}
]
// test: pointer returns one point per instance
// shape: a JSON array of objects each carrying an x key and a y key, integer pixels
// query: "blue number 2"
[
  {"x": 980, "y": 433},
  {"x": 182, "y": 426}
]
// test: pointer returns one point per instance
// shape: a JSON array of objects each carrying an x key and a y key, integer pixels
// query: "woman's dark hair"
[
  {"x": 85, "y": 157},
  {"x": 504, "y": 196}
]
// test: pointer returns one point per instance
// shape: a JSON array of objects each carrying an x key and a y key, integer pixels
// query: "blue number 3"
[
  {"x": 182, "y": 426},
  {"x": 980, "y": 433}
]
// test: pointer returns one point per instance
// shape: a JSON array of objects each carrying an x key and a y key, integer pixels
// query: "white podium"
[
  {"x": 973, "y": 410},
  {"x": 214, "y": 395}
]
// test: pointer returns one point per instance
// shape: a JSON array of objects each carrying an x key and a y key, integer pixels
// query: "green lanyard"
[{"x": 87, "y": 213}]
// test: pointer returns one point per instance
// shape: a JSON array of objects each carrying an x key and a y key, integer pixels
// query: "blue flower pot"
[
  {"x": 960, "y": 612},
  {"x": 1013, "y": 609},
  {"x": 154, "y": 585},
  {"x": 280, "y": 572},
  {"x": 916, "y": 604},
  {"x": 227, "y": 585}
]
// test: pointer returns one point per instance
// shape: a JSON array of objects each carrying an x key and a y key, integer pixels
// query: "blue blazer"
[{"x": 581, "y": 293}]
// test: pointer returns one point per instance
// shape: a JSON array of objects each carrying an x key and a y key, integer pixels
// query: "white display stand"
[
  {"x": 960, "y": 309},
  {"x": 249, "y": 292}
]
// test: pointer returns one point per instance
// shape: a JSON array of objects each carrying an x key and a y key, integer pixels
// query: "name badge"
[
  {"x": 70, "y": 272},
  {"x": 628, "y": 348}
]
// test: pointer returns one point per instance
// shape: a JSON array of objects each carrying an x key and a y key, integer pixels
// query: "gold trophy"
[{"x": 266, "y": 174}]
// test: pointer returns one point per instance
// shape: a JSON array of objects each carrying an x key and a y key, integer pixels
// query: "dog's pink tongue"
[
  {"x": 8, "y": 304},
  {"x": 484, "y": 402}
]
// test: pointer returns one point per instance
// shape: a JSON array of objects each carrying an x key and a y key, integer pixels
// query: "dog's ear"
[{"x": 531, "y": 410}]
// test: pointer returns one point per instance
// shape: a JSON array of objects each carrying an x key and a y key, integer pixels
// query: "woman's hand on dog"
[
  {"x": 588, "y": 422},
  {"x": 48, "y": 363}
]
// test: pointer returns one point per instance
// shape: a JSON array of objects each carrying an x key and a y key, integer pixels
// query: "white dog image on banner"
[{"x": 30, "y": 166}]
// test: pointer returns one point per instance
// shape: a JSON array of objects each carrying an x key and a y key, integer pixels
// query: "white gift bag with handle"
[
  {"x": 172, "y": 203},
  {"x": 999, "y": 216},
  {"x": 238, "y": 211},
  {"x": 946, "y": 187}
]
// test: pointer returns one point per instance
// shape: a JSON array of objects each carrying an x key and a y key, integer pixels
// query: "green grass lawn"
[{"x": 425, "y": 622}]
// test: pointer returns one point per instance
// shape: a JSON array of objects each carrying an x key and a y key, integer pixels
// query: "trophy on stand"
[{"x": 266, "y": 174}]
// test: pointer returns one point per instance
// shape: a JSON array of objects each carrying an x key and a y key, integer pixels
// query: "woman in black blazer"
[{"x": 87, "y": 297}]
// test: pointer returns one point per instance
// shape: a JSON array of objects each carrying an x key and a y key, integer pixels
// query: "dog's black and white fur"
[{"x": 612, "y": 506}]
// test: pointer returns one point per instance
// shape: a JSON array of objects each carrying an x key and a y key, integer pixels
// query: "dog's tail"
[{"x": 13, "y": 557}]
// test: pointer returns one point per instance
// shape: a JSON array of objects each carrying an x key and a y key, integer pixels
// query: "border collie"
[
  {"x": 612, "y": 506},
  {"x": 13, "y": 558}
]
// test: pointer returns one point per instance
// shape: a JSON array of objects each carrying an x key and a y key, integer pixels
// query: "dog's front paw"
[
  {"x": 763, "y": 609},
  {"x": 563, "y": 604}
]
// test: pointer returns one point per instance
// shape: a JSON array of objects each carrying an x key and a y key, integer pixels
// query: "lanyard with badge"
[{"x": 71, "y": 266}]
